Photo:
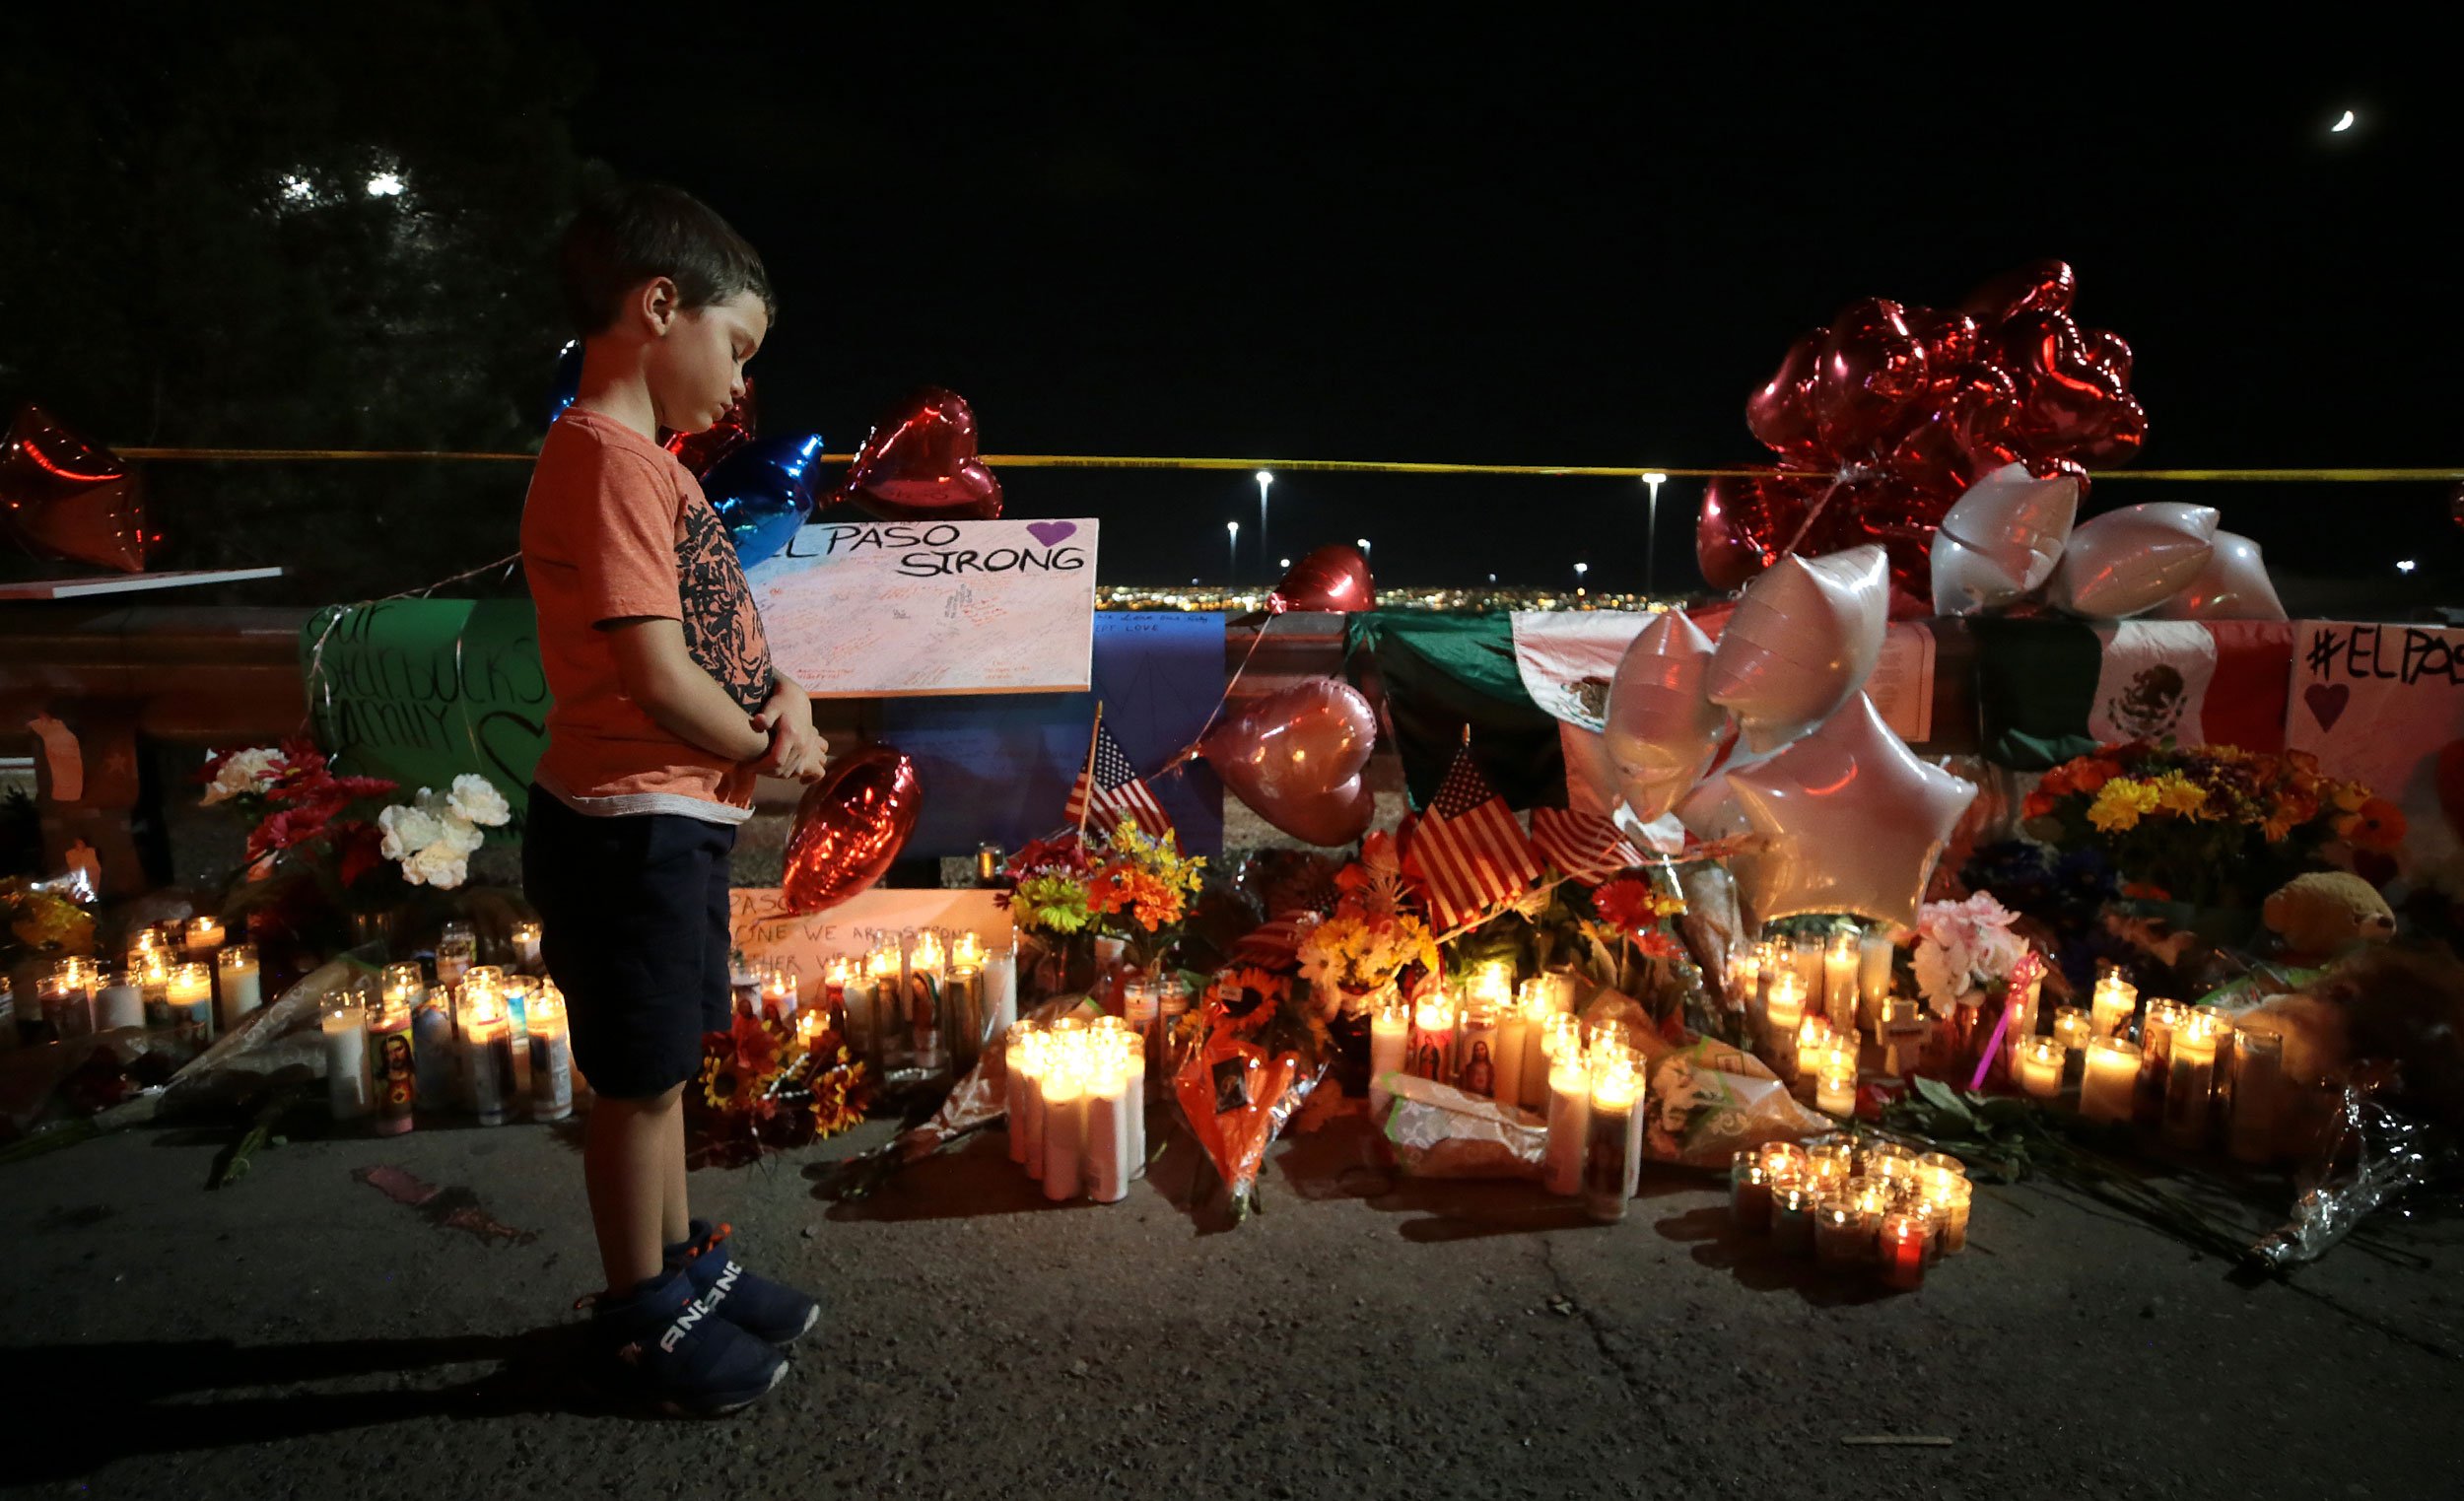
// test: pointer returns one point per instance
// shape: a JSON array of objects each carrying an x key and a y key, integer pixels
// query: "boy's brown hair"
[{"x": 632, "y": 231}]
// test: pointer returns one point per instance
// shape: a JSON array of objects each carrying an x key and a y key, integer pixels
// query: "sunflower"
[
  {"x": 1249, "y": 997},
  {"x": 722, "y": 1083}
]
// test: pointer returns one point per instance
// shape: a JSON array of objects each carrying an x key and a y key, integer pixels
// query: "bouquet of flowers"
[
  {"x": 769, "y": 1084},
  {"x": 303, "y": 811},
  {"x": 44, "y": 921},
  {"x": 1122, "y": 883},
  {"x": 1373, "y": 938},
  {"x": 2211, "y": 825},
  {"x": 1965, "y": 946}
]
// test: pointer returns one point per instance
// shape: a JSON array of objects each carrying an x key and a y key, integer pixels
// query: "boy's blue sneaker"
[
  {"x": 661, "y": 1344},
  {"x": 754, "y": 1304}
]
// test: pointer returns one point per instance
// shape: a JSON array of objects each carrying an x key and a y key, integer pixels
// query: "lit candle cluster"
[
  {"x": 180, "y": 977},
  {"x": 494, "y": 1045},
  {"x": 1596, "y": 1091},
  {"x": 1866, "y": 1208},
  {"x": 1076, "y": 1106}
]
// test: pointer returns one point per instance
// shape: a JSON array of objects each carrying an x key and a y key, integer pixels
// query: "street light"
[
  {"x": 1580, "y": 568},
  {"x": 1232, "y": 549},
  {"x": 1650, "y": 537},
  {"x": 2405, "y": 566},
  {"x": 1363, "y": 544},
  {"x": 1265, "y": 478}
]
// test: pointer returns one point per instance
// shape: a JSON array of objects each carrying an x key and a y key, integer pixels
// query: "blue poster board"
[{"x": 998, "y": 766}]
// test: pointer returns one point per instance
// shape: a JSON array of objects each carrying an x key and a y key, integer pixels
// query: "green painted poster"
[{"x": 423, "y": 690}]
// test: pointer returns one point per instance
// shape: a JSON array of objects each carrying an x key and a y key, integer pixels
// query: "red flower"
[
  {"x": 358, "y": 848},
  {"x": 752, "y": 1046},
  {"x": 1624, "y": 904},
  {"x": 1652, "y": 943}
]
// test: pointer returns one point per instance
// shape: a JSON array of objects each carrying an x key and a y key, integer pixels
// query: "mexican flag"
[{"x": 2050, "y": 689}]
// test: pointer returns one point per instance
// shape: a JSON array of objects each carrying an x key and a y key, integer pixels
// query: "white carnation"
[
  {"x": 408, "y": 830},
  {"x": 248, "y": 771},
  {"x": 457, "y": 834},
  {"x": 438, "y": 865},
  {"x": 477, "y": 799}
]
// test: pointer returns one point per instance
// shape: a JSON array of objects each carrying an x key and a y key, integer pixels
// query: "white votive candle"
[
  {"x": 2112, "y": 1004},
  {"x": 239, "y": 986},
  {"x": 346, "y": 1061},
  {"x": 1107, "y": 1133},
  {"x": 550, "y": 1059},
  {"x": 1569, "y": 1122},
  {"x": 2106, "y": 1088},
  {"x": 204, "y": 934},
  {"x": 2040, "y": 1066},
  {"x": 1065, "y": 1133},
  {"x": 189, "y": 993},
  {"x": 1390, "y": 1040}
]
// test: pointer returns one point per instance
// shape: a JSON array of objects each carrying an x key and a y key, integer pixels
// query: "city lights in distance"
[{"x": 384, "y": 185}]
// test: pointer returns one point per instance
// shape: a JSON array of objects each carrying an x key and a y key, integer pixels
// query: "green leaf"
[{"x": 1943, "y": 1097}]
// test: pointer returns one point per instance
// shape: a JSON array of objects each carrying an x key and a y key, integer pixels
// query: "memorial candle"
[
  {"x": 1538, "y": 1016},
  {"x": 1792, "y": 1217},
  {"x": 1433, "y": 1035},
  {"x": 2074, "y": 1029},
  {"x": 1570, "y": 1125},
  {"x": 2259, "y": 1092},
  {"x": 2113, "y": 1003},
  {"x": 1027, "y": 1125},
  {"x": 154, "y": 979},
  {"x": 1835, "y": 1085},
  {"x": 779, "y": 994},
  {"x": 550, "y": 1059},
  {"x": 1843, "y": 965},
  {"x": 1477, "y": 1040},
  {"x": 1107, "y": 1126},
  {"x": 2156, "y": 1058},
  {"x": 1745, "y": 976},
  {"x": 393, "y": 1069},
  {"x": 1906, "y": 1239},
  {"x": 1830, "y": 1161},
  {"x": 434, "y": 1061},
  {"x": 2038, "y": 1066},
  {"x": 2111, "y": 1078},
  {"x": 1874, "y": 958},
  {"x": 525, "y": 936},
  {"x": 1612, "y": 1156},
  {"x": 189, "y": 995},
  {"x": 1948, "y": 1200},
  {"x": 345, "y": 1033},
  {"x": 457, "y": 949},
  {"x": 2190, "y": 1083},
  {"x": 204, "y": 934},
  {"x": 1390, "y": 1041},
  {"x": 1001, "y": 989},
  {"x": 1514, "y": 1044},
  {"x": 486, "y": 1055},
  {"x": 1064, "y": 1124},
  {"x": 1784, "y": 1003},
  {"x": 119, "y": 1002},
  {"x": 1749, "y": 1189},
  {"x": 1843, "y": 1231}
]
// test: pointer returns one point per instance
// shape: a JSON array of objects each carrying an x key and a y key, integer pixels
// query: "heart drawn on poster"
[
  {"x": 2327, "y": 702},
  {"x": 1050, "y": 532}
]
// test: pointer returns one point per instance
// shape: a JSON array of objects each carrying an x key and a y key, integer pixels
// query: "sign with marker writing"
[
  {"x": 2384, "y": 705},
  {"x": 423, "y": 690},
  {"x": 865, "y": 609},
  {"x": 762, "y": 931}
]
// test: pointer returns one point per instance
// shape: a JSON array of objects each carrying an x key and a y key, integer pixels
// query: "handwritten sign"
[
  {"x": 859, "y": 609},
  {"x": 803, "y": 945},
  {"x": 2379, "y": 704},
  {"x": 423, "y": 690}
]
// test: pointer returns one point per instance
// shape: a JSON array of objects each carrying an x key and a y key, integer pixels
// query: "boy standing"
[{"x": 666, "y": 706}]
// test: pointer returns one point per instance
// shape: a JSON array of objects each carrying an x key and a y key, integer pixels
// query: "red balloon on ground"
[
  {"x": 920, "y": 464},
  {"x": 1332, "y": 578},
  {"x": 64, "y": 496},
  {"x": 849, "y": 827}
]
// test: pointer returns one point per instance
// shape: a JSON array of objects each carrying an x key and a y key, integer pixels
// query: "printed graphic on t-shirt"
[{"x": 721, "y": 629}]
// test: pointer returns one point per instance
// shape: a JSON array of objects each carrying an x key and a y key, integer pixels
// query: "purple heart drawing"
[
  {"x": 2327, "y": 703},
  {"x": 1051, "y": 532}
]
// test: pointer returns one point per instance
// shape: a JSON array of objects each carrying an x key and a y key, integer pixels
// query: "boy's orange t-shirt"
[{"x": 614, "y": 528}]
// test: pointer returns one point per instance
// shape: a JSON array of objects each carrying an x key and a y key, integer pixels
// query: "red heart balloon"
[
  {"x": 1871, "y": 368},
  {"x": 701, "y": 451},
  {"x": 2046, "y": 286},
  {"x": 920, "y": 464},
  {"x": 1330, "y": 578},
  {"x": 1284, "y": 754},
  {"x": 1781, "y": 414},
  {"x": 849, "y": 827},
  {"x": 62, "y": 495},
  {"x": 1331, "y": 818}
]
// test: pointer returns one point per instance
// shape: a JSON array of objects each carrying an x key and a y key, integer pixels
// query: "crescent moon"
[{"x": 2341, "y": 125}]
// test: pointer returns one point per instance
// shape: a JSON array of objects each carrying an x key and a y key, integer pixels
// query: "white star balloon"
[
  {"x": 1801, "y": 639},
  {"x": 2134, "y": 559},
  {"x": 1851, "y": 822},
  {"x": 1661, "y": 728},
  {"x": 2002, "y": 540},
  {"x": 2233, "y": 586}
]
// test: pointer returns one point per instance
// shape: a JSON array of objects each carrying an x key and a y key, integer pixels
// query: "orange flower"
[
  {"x": 2376, "y": 825},
  {"x": 2039, "y": 804},
  {"x": 2091, "y": 772}
]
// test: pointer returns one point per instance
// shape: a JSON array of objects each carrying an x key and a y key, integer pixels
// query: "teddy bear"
[{"x": 2326, "y": 911}]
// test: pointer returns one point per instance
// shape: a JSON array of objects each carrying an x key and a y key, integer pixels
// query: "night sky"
[{"x": 1554, "y": 240}]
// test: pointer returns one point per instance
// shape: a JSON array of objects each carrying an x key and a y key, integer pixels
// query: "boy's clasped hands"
[{"x": 797, "y": 749}]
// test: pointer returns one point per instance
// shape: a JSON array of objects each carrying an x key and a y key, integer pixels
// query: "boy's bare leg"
[{"x": 632, "y": 1166}]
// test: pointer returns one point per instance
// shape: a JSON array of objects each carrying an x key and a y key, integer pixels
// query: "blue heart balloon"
[
  {"x": 568, "y": 383},
  {"x": 763, "y": 491}
]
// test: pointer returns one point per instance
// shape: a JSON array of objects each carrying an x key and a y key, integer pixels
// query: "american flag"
[
  {"x": 1114, "y": 790},
  {"x": 1470, "y": 850},
  {"x": 1273, "y": 946},
  {"x": 1585, "y": 846}
]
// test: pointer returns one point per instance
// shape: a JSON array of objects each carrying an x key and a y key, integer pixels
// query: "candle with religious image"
[
  {"x": 392, "y": 1066},
  {"x": 2076, "y": 1029},
  {"x": 188, "y": 993},
  {"x": 519, "y": 991},
  {"x": 154, "y": 979},
  {"x": 1433, "y": 1034},
  {"x": 2112, "y": 1004},
  {"x": 1477, "y": 1037},
  {"x": 2156, "y": 1058}
]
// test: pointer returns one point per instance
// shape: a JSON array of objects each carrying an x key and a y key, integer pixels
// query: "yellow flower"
[
  {"x": 2119, "y": 804},
  {"x": 2178, "y": 794}
]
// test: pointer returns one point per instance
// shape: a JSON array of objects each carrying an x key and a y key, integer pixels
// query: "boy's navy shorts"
[{"x": 633, "y": 924}]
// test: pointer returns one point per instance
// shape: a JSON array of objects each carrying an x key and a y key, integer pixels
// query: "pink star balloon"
[
  {"x": 1803, "y": 640},
  {"x": 2233, "y": 586},
  {"x": 2001, "y": 540},
  {"x": 1661, "y": 729},
  {"x": 2134, "y": 559},
  {"x": 1851, "y": 822}
]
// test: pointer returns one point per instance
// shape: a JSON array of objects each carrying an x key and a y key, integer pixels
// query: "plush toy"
[{"x": 2325, "y": 912}]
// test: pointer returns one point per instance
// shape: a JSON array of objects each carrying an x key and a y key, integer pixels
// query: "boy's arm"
[
  {"x": 680, "y": 698},
  {"x": 797, "y": 749}
]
